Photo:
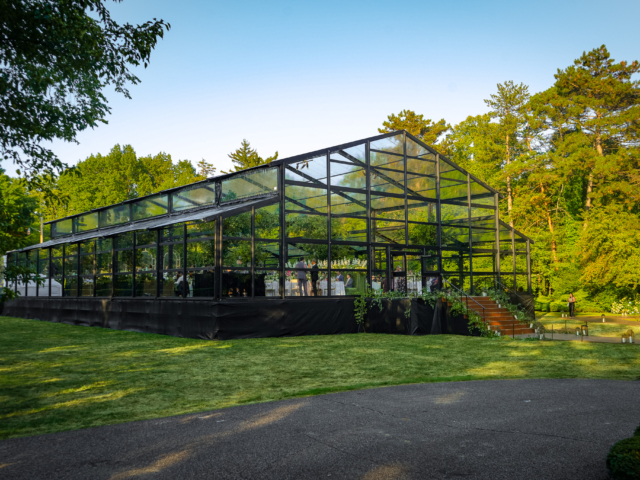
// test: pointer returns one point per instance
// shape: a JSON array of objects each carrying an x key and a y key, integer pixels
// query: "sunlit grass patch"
[{"x": 93, "y": 376}]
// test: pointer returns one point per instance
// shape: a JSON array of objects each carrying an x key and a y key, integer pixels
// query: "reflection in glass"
[
  {"x": 151, "y": 207},
  {"x": 251, "y": 183},
  {"x": 146, "y": 259},
  {"x": 70, "y": 286},
  {"x": 114, "y": 215},
  {"x": 172, "y": 256},
  {"x": 418, "y": 185},
  {"x": 236, "y": 253},
  {"x": 145, "y": 238},
  {"x": 267, "y": 222},
  {"x": 201, "y": 229},
  {"x": 386, "y": 181},
  {"x": 349, "y": 229},
  {"x": 421, "y": 234},
  {"x": 305, "y": 199},
  {"x": 192, "y": 197},
  {"x": 387, "y": 232},
  {"x": 124, "y": 241},
  {"x": 390, "y": 208},
  {"x": 416, "y": 150},
  {"x": 86, "y": 222},
  {"x": 306, "y": 226},
  {"x": 310, "y": 170},
  {"x": 86, "y": 286},
  {"x": 172, "y": 234},
  {"x": 267, "y": 254},
  {"x": 123, "y": 285},
  {"x": 61, "y": 227},
  {"x": 172, "y": 284},
  {"x": 201, "y": 254},
  {"x": 348, "y": 203},
  {"x": 421, "y": 211},
  {"x": 237, "y": 225},
  {"x": 393, "y": 144},
  {"x": 103, "y": 286},
  {"x": 124, "y": 261},
  {"x": 146, "y": 284}
]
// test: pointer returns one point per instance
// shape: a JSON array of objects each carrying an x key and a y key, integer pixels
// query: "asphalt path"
[{"x": 503, "y": 429}]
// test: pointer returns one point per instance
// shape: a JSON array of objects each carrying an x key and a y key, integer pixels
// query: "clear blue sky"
[{"x": 296, "y": 76}]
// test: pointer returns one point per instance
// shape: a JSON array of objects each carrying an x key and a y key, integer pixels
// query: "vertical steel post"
[
  {"x": 529, "y": 290},
  {"x": 496, "y": 200},
  {"x": 283, "y": 245},
  {"x": 328, "y": 226},
  {"x": 438, "y": 214},
  {"x": 370, "y": 249},
  {"x": 513, "y": 257},
  {"x": 471, "y": 288}
]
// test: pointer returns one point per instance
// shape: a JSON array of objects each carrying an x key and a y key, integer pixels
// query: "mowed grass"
[
  {"x": 56, "y": 377},
  {"x": 596, "y": 327}
]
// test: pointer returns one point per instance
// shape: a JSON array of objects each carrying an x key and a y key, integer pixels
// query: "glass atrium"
[{"x": 388, "y": 211}]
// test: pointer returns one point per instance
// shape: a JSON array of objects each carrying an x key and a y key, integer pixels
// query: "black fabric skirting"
[{"x": 240, "y": 319}]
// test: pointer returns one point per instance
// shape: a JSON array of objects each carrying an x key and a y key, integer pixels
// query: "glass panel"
[
  {"x": 171, "y": 284},
  {"x": 267, "y": 254},
  {"x": 236, "y": 253},
  {"x": 56, "y": 262},
  {"x": 237, "y": 225},
  {"x": 423, "y": 166},
  {"x": 267, "y": 222},
  {"x": 70, "y": 249},
  {"x": 103, "y": 286},
  {"x": 104, "y": 244},
  {"x": 379, "y": 255},
  {"x": 104, "y": 263},
  {"x": 421, "y": 186},
  {"x": 455, "y": 237},
  {"x": 455, "y": 261},
  {"x": 521, "y": 263},
  {"x": 193, "y": 197},
  {"x": 123, "y": 285},
  {"x": 70, "y": 266},
  {"x": 480, "y": 194},
  {"x": 172, "y": 256},
  {"x": 305, "y": 199},
  {"x": 146, "y": 238},
  {"x": 87, "y": 247},
  {"x": 454, "y": 214},
  {"x": 416, "y": 150},
  {"x": 70, "y": 286},
  {"x": 124, "y": 261},
  {"x": 305, "y": 279},
  {"x": 387, "y": 181},
  {"x": 483, "y": 263},
  {"x": 146, "y": 284},
  {"x": 390, "y": 208},
  {"x": 311, "y": 170},
  {"x": 201, "y": 283},
  {"x": 88, "y": 221},
  {"x": 386, "y": 160},
  {"x": 349, "y": 257},
  {"x": 86, "y": 264},
  {"x": 431, "y": 262},
  {"x": 172, "y": 234},
  {"x": 348, "y": 203},
  {"x": 348, "y": 170},
  {"x": 349, "y": 229},
  {"x": 267, "y": 283},
  {"x": 256, "y": 182},
  {"x": 483, "y": 238},
  {"x": 390, "y": 144},
  {"x": 387, "y": 232},
  {"x": 201, "y": 230},
  {"x": 201, "y": 254},
  {"x": 421, "y": 234},
  {"x": 306, "y": 226},
  {"x": 114, "y": 215},
  {"x": 86, "y": 286},
  {"x": 124, "y": 241},
  {"x": 43, "y": 262},
  {"x": 236, "y": 284},
  {"x": 310, "y": 252},
  {"x": 61, "y": 227},
  {"x": 414, "y": 273},
  {"x": 453, "y": 183},
  {"x": 151, "y": 207},
  {"x": 145, "y": 258},
  {"x": 349, "y": 283},
  {"x": 420, "y": 211}
]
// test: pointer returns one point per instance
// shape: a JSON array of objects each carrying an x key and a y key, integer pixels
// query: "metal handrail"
[
  {"x": 484, "y": 319},
  {"x": 504, "y": 287}
]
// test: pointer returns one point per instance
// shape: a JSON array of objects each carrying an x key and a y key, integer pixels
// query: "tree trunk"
[
  {"x": 587, "y": 205},
  {"x": 554, "y": 249},
  {"x": 509, "y": 195}
]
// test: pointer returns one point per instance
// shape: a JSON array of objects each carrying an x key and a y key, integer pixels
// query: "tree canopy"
[
  {"x": 56, "y": 59},
  {"x": 247, "y": 157}
]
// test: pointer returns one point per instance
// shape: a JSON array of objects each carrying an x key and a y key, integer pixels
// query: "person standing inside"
[
  {"x": 314, "y": 277},
  {"x": 572, "y": 306},
  {"x": 301, "y": 275}
]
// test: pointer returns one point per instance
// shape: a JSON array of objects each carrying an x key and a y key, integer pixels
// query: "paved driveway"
[{"x": 510, "y": 429}]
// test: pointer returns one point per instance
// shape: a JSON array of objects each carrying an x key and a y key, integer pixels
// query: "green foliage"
[
  {"x": 57, "y": 59},
  {"x": 246, "y": 157},
  {"x": 623, "y": 460},
  {"x": 425, "y": 129}
]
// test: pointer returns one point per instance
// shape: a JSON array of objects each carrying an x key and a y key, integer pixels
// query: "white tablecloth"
[
  {"x": 414, "y": 286},
  {"x": 272, "y": 289}
]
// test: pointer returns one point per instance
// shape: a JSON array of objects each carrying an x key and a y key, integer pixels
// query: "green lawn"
[
  {"x": 59, "y": 377},
  {"x": 596, "y": 327}
]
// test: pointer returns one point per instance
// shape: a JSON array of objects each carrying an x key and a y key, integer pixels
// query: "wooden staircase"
[{"x": 499, "y": 317}]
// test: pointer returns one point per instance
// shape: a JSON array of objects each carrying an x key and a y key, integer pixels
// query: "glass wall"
[{"x": 388, "y": 213}]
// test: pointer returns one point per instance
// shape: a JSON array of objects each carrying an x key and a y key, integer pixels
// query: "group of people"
[{"x": 301, "y": 276}]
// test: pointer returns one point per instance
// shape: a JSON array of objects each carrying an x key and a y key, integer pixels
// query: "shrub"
[
  {"x": 623, "y": 461},
  {"x": 559, "y": 307}
]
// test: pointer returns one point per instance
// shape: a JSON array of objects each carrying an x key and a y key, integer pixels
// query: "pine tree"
[
  {"x": 424, "y": 128},
  {"x": 246, "y": 157}
]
